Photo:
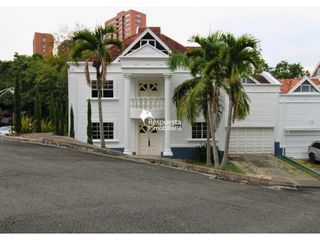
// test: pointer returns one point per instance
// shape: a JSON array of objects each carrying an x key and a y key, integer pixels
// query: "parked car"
[
  {"x": 314, "y": 151},
  {"x": 5, "y": 131}
]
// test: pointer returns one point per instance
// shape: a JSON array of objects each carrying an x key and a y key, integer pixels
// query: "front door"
[{"x": 149, "y": 141}]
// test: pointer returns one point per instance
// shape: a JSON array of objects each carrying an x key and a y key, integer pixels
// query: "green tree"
[
  {"x": 57, "y": 119},
  {"x": 71, "y": 133},
  {"x": 201, "y": 94},
  {"x": 61, "y": 120},
  {"x": 243, "y": 57},
  {"x": 51, "y": 108},
  {"x": 37, "y": 110},
  {"x": 94, "y": 47},
  {"x": 19, "y": 66},
  {"x": 286, "y": 70},
  {"x": 89, "y": 125}
]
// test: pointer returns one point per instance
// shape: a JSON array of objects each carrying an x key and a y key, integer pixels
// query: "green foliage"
[
  {"x": 89, "y": 124},
  {"x": 61, "y": 121},
  {"x": 286, "y": 70},
  {"x": 27, "y": 124},
  {"x": 51, "y": 108},
  {"x": 25, "y": 72},
  {"x": 200, "y": 154},
  {"x": 71, "y": 134},
  {"x": 57, "y": 120},
  {"x": 37, "y": 110},
  {"x": 46, "y": 126}
]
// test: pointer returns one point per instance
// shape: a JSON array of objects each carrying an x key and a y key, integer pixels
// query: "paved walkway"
[{"x": 273, "y": 168}]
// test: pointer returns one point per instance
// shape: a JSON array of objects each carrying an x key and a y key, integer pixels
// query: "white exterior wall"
[
  {"x": 79, "y": 92},
  {"x": 256, "y": 133},
  {"x": 264, "y": 100},
  {"x": 299, "y": 120}
]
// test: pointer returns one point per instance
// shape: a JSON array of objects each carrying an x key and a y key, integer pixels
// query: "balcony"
[{"x": 155, "y": 105}]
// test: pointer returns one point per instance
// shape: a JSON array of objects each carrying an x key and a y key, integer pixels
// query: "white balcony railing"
[
  {"x": 147, "y": 103},
  {"x": 153, "y": 104}
]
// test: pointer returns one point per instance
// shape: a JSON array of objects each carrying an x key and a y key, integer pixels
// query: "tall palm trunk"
[
  {"x": 209, "y": 163},
  {"x": 99, "y": 85},
  {"x": 212, "y": 126},
  {"x": 228, "y": 133}
]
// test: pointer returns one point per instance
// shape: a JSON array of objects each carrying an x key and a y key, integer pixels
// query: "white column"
[
  {"x": 126, "y": 96},
  {"x": 167, "y": 116}
]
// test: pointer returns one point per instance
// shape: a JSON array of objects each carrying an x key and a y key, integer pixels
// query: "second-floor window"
[
  {"x": 107, "y": 90},
  {"x": 199, "y": 130}
]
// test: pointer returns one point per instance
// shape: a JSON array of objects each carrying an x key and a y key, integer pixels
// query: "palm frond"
[
  {"x": 175, "y": 60},
  {"x": 85, "y": 35},
  {"x": 79, "y": 48},
  {"x": 192, "y": 102}
]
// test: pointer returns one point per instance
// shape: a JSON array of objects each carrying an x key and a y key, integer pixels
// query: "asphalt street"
[{"x": 44, "y": 189}]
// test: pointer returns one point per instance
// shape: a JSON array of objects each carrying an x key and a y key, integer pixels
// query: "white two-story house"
[{"x": 140, "y": 80}]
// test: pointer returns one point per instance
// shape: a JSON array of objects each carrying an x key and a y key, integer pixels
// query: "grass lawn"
[
  {"x": 308, "y": 164},
  {"x": 230, "y": 166}
]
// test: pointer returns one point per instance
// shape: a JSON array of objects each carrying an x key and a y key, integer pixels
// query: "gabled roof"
[
  {"x": 169, "y": 42},
  {"x": 289, "y": 85},
  {"x": 315, "y": 71}
]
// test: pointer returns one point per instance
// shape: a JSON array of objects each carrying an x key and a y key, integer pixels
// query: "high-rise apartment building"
[
  {"x": 127, "y": 23},
  {"x": 43, "y": 43}
]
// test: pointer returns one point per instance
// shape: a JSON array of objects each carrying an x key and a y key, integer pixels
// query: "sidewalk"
[{"x": 70, "y": 143}]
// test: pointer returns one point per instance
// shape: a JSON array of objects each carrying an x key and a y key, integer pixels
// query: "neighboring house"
[
  {"x": 316, "y": 72},
  {"x": 299, "y": 115},
  {"x": 139, "y": 80}
]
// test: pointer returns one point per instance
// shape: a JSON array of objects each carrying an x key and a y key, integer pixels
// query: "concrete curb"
[{"x": 174, "y": 163}]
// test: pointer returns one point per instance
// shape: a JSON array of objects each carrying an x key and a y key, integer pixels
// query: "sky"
[{"x": 291, "y": 34}]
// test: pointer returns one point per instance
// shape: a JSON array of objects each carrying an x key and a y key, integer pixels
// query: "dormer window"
[
  {"x": 148, "y": 39},
  {"x": 151, "y": 42},
  {"x": 305, "y": 87},
  {"x": 248, "y": 80}
]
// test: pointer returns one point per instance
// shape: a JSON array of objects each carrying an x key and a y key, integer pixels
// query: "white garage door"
[
  {"x": 252, "y": 141},
  {"x": 296, "y": 143}
]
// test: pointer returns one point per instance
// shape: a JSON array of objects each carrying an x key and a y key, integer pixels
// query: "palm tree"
[
  {"x": 202, "y": 92},
  {"x": 243, "y": 56},
  {"x": 93, "y": 46}
]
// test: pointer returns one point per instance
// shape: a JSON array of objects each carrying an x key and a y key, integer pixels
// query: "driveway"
[
  {"x": 46, "y": 189},
  {"x": 271, "y": 167}
]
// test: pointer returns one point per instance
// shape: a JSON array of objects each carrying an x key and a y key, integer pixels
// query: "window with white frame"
[
  {"x": 199, "y": 130},
  {"x": 108, "y": 129},
  {"x": 107, "y": 90},
  {"x": 305, "y": 87}
]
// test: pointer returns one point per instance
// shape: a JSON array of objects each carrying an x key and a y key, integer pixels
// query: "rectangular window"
[
  {"x": 108, "y": 128},
  {"x": 106, "y": 91},
  {"x": 199, "y": 130}
]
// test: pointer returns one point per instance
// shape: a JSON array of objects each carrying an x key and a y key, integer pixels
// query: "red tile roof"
[
  {"x": 316, "y": 81},
  {"x": 172, "y": 44},
  {"x": 288, "y": 84}
]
